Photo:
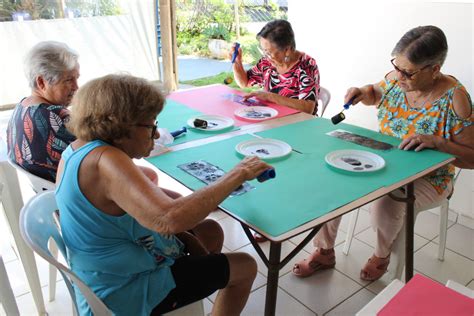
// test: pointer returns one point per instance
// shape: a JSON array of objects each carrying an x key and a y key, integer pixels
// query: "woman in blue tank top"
[{"x": 127, "y": 238}]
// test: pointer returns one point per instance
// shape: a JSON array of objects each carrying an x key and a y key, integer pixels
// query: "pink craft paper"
[
  {"x": 423, "y": 296},
  {"x": 212, "y": 100}
]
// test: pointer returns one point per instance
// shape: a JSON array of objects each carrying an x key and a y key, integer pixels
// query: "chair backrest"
[
  {"x": 37, "y": 183},
  {"x": 37, "y": 226},
  {"x": 324, "y": 97}
]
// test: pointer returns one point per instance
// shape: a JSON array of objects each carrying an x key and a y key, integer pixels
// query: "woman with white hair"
[{"x": 36, "y": 133}]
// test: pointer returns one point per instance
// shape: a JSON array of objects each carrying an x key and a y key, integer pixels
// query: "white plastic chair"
[
  {"x": 398, "y": 248},
  {"x": 7, "y": 298},
  {"x": 324, "y": 98},
  {"x": 38, "y": 227},
  {"x": 39, "y": 185}
]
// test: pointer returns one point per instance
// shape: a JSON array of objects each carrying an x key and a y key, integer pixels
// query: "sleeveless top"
[
  {"x": 36, "y": 137},
  {"x": 124, "y": 263},
  {"x": 300, "y": 82},
  {"x": 397, "y": 119}
]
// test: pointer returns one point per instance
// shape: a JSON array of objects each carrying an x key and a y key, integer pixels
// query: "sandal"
[
  {"x": 259, "y": 238},
  {"x": 319, "y": 260},
  {"x": 374, "y": 268}
]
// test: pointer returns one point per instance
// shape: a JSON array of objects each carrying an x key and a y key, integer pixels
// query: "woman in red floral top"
[{"x": 288, "y": 77}]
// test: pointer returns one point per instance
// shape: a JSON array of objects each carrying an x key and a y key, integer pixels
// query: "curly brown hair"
[{"x": 105, "y": 108}]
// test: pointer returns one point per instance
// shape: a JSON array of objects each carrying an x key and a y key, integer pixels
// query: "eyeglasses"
[
  {"x": 405, "y": 74},
  {"x": 154, "y": 128},
  {"x": 266, "y": 53}
]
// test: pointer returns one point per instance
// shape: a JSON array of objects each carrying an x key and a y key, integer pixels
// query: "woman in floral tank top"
[
  {"x": 288, "y": 77},
  {"x": 426, "y": 109}
]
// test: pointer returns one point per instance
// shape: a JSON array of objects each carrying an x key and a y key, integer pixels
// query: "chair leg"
[
  {"x": 443, "y": 229},
  {"x": 53, "y": 248},
  {"x": 397, "y": 257},
  {"x": 7, "y": 298},
  {"x": 350, "y": 231}
]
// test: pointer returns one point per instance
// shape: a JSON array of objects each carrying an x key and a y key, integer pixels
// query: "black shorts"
[{"x": 196, "y": 277}]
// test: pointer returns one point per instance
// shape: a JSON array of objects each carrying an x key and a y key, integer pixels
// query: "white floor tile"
[
  {"x": 321, "y": 291},
  {"x": 260, "y": 280},
  {"x": 207, "y": 306},
  {"x": 234, "y": 235},
  {"x": 471, "y": 285},
  {"x": 286, "y": 305},
  {"x": 60, "y": 306},
  {"x": 427, "y": 225},
  {"x": 217, "y": 215},
  {"x": 351, "y": 264},
  {"x": 454, "y": 267},
  {"x": 353, "y": 304},
  {"x": 460, "y": 239}
]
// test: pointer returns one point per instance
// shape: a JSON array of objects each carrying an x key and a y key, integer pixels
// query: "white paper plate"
[
  {"x": 256, "y": 113},
  {"x": 355, "y": 160},
  {"x": 264, "y": 148},
  {"x": 214, "y": 122}
]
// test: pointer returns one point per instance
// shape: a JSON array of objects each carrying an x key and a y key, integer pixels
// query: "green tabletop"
[
  {"x": 305, "y": 188},
  {"x": 175, "y": 115}
]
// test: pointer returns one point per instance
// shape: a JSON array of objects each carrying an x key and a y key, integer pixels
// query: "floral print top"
[
  {"x": 397, "y": 119},
  {"x": 300, "y": 82},
  {"x": 36, "y": 137}
]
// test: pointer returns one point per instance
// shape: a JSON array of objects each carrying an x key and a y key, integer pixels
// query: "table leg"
[
  {"x": 410, "y": 224},
  {"x": 12, "y": 204},
  {"x": 272, "y": 278}
]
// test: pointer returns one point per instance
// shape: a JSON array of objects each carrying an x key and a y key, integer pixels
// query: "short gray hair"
[
  {"x": 423, "y": 45},
  {"x": 50, "y": 60}
]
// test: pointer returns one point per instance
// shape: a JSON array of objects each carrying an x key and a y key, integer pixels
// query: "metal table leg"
[{"x": 410, "y": 224}]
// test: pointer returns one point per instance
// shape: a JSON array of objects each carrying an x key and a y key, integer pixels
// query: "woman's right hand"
[
  {"x": 251, "y": 167},
  {"x": 238, "y": 59},
  {"x": 355, "y": 93}
]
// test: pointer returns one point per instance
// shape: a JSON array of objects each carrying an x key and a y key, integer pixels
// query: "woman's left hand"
[
  {"x": 419, "y": 142},
  {"x": 262, "y": 95}
]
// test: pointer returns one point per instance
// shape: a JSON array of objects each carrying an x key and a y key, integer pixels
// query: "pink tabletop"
[{"x": 218, "y": 100}]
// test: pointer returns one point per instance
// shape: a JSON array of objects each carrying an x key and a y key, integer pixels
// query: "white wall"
[
  {"x": 352, "y": 43},
  {"x": 125, "y": 43}
]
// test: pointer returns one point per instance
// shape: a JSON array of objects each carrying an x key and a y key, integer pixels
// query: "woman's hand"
[
  {"x": 251, "y": 167},
  {"x": 262, "y": 95},
  {"x": 238, "y": 59},
  {"x": 369, "y": 95},
  {"x": 355, "y": 93},
  {"x": 419, "y": 142}
]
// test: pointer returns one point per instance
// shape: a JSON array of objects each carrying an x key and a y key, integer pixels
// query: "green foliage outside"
[
  {"x": 47, "y": 9},
  {"x": 201, "y": 20},
  {"x": 219, "y": 78}
]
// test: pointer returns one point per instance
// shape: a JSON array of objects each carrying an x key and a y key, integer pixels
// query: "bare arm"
[
  {"x": 301, "y": 105},
  {"x": 127, "y": 187},
  {"x": 460, "y": 145}
]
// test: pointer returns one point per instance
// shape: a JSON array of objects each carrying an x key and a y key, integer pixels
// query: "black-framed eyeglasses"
[
  {"x": 154, "y": 128},
  {"x": 405, "y": 74}
]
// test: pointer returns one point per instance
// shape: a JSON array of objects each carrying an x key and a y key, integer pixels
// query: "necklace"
[{"x": 415, "y": 100}]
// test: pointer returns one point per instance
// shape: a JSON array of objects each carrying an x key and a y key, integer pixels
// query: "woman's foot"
[
  {"x": 374, "y": 268},
  {"x": 319, "y": 260},
  {"x": 259, "y": 238}
]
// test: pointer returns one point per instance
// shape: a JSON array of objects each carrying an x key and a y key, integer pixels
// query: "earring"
[{"x": 286, "y": 59}]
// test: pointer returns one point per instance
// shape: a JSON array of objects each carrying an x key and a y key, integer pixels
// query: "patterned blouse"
[
  {"x": 300, "y": 82},
  {"x": 397, "y": 119},
  {"x": 36, "y": 137}
]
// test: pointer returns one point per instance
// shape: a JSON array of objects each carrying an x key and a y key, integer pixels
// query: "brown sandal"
[
  {"x": 259, "y": 238},
  {"x": 319, "y": 260},
  {"x": 374, "y": 268}
]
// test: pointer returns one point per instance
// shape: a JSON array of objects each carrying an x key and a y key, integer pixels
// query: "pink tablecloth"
[{"x": 216, "y": 100}]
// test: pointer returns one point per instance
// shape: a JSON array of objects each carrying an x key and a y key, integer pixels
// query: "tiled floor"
[{"x": 339, "y": 291}]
